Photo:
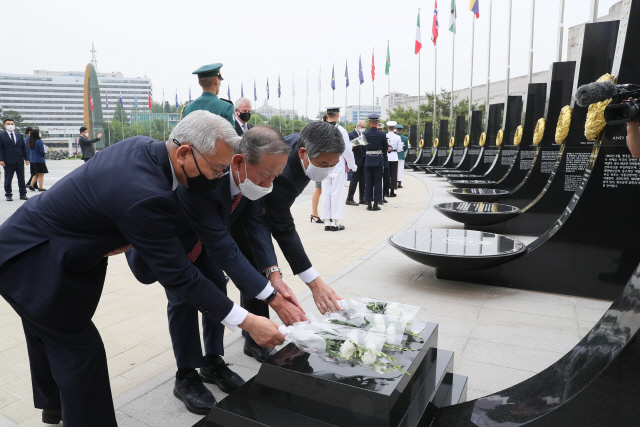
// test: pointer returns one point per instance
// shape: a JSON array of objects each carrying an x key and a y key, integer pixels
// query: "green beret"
[{"x": 211, "y": 70}]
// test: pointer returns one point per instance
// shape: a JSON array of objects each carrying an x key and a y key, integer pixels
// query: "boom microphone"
[{"x": 595, "y": 92}]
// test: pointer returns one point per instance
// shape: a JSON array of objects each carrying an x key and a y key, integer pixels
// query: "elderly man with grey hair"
[
  {"x": 242, "y": 115},
  {"x": 314, "y": 153},
  {"x": 73, "y": 229}
]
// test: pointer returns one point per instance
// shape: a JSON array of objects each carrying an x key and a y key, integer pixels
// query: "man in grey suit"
[
  {"x": 242, "y": 115},
  {"x": 86, "y": 144}
]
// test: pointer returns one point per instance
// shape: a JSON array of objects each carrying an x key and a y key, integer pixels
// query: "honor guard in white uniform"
[
  {"x": 401, "y": 154},
  {"x": 395, "y": 146},
  {"x": 333, "y": 185}
]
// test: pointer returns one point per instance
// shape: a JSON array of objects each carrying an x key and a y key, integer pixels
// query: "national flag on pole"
[
  {"x": 176, "y": 98},
  {"x": 278, "y": 85},
  {"x": 346, "y": 72},
  {"x": 333, "y": 78},
  {"x": 242, "y": 89},
  {"x": 255, "y": 94},
  {"x": 452, "y": 17},
  {"x": 149, "y": 100},
  {"x": 360, "y": 74},
  {"x": 435, "y": 25},
  {"x": 293, "y": 84},
  {"x": 267, "y": 88},
  {"x": 418, "y": 36},
  {"x": 228, "y": 93},
  {"x": 107, "y": 100},
  {"x": 388, "y": 64},
  {"x": 121, "y": 106},
  {"x": 91, "y": 101},
  {"x": 136, "y": 94},
  {"x": 474, "y": 6},
  {"x": 373, "y": 68}
]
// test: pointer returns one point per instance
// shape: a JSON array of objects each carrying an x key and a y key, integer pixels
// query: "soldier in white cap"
[
  {"x": 395, "y": 146},
  {"x": 333, "y": 185}
]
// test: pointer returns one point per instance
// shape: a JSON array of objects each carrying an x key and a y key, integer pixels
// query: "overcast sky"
[{"x": 257, "y": 39}]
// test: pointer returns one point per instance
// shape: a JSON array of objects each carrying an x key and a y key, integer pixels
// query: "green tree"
[{"x": 21, "y": 125}]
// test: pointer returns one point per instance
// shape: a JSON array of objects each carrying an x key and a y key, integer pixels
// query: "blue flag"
[
  {"x": 228, "y": 92},
  {"x": 267, "y": 88},
  {"x": 346, "y": 72},
  {"x": 333, "y": 77},
  {"x": 121, "y": 106},
  {"x": 176, "y": 98},
  {"x": 255, "y": 94},
  {"x": 136, "y": 99},
  {"x": 107, "y": 101},
  {"x": 360, "y": 75},
  {"x": 278, "y": 85},
  {"x": 242, "y": 89}
]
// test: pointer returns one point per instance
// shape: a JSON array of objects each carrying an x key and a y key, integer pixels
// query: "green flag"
[
  {"x": 452, "y": 17},
  {"x": 386, "y": 69}
]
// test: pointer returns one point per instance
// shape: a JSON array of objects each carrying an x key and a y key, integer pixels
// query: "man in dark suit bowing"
[
  {"x": 13, "y": 156},
  {"x": 69, "y": 231},
  {"x": 260, "y": 156},
  {"x": 357, "y": 177},
  {"x": 242, "y": 115}
]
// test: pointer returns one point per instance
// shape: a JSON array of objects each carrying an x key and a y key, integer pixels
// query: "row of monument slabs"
[{"x": 580, "y": 199}]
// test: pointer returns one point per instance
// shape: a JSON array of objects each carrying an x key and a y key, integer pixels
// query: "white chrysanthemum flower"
[
  {"x": 370, "y": 345},
  {"x": 379, "y": 324},
  {"x": 394, "y": 309},
  {"x": 369, "y": 358},
  {"x": 352, "y": 334},
  {"x": 346, "y": 349},
  {"x": 391, "y": 334}
]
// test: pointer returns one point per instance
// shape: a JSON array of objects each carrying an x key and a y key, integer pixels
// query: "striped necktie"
[{"x": 236, "y": 200}]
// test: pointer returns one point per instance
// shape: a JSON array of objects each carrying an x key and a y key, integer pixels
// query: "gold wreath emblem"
[
  {"x": 539, "y": 132},
  {"x": 483, "y": 139},
  {"x": 452, "y": 142},
  {"x": 421, "y": 143},
  {"x": 436, "y": 142},
  {"x": 595, "y": 115},
  {"x": 517, "y": 138},
  {"x": 564, "y": 121},
  {"x": 466, "y": 140},
  {"x": 499, "y": 138}
]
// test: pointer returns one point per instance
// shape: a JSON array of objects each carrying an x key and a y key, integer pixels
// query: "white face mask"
[
  {"x": 315, "y": 173},
  {"x": 250, "y": 190},
  {"x": 10, "y": 128}
]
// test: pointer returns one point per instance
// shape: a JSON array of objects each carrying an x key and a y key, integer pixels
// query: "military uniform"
[
  {"x": 376, "y": 154},
  {"x": 209, "y": 101},
  {"x": 401, "y": 154},
  {"x": 395, "y": 143}
]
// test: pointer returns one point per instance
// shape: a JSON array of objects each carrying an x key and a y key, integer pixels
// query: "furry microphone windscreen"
[{"x": 595, "y": 92}]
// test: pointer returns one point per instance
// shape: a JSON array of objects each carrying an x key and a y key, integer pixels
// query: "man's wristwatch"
[
  {"x": 268, "y": 271},
  {"x": 271, "y": 297}
]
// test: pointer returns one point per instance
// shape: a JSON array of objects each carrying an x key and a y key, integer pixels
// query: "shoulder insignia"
[{"x": 226, "y": 100}]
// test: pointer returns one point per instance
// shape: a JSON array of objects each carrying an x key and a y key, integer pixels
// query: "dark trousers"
[
  {"x": 373, "y": 183},
  {"x": 9, "y": 170},
  {"x": 69, "y": 372},
  {"x": 183, "y": 322},
  {"x": 252, "y": 305},
  {"x": 393, "y": 174},
  {"x": 357, "y": 180},
  {"x": 386, "y": 181}
]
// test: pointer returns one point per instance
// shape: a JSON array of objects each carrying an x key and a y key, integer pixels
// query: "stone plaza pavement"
[{"x": 500, "y": 336}]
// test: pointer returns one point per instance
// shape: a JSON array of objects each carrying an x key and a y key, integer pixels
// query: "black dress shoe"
[
  {"x": 376, "y": 207},
  {"x": 51, "y": 416},
  {"x": 337, "y": 227},
  {"x": 9, "y": 199},
  {"x": 362, "y": 202},
  {"x": 400, "y": 185},
  {"x": 220, "y": 374},
  {"x": 261, "y": 354},
  {"x": 351, "y": 203},
  {"x": 392, "y": 194},
  {"x": 31, "y": 188},
  {"x": 384, "y": 201},
  {"x": 23, "y": 197},
  {"x": 195, "y": 396},
  {"x": 369, "y": 207}
]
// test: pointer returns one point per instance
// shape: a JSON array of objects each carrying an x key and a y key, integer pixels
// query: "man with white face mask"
[
  {"x": 205, "y": 233},
  {"x": 13, "y": 156}
]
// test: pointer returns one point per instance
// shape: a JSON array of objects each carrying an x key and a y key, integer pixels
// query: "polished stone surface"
[
  {"x": 465, "y": 249},
  {"x": 477, "y": 194},
  {"x": 471, "y": 183},
  {"x": 477, "y": 214}
]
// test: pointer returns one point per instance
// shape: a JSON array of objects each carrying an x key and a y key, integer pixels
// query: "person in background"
[
  {"x": 401, "y": 154},
  {"x": 395, "y": 146},
  {"x": 36, "y": 160},
  {"x": 376, "y": 152},
  {"x": 315, "y": 200},
  {"x": 210, "y": 80},
  {"x": 86, "y": 144},
  {"x": 13, "y": 156},
  {"x": 242, "y": 115},
  {"x": 357, "y": 179},
  {"x": 386, "y": 176},
  {"x": 27, "y": 132}
]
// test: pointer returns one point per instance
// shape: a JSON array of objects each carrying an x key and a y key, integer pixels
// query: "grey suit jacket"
[{"x": 87, "y": 147}]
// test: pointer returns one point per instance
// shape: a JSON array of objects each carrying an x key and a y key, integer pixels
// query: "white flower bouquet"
[
  {"x": 361, "y": 140},
  {"x": 391, "y": 326},
  {"x": 405, "y": 312},
  {"x": 342, "y": 344}
]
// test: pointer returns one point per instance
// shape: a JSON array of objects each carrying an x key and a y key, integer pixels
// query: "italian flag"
[
  {"x": 452, "y": 17},
  {"x": 418, "y": 36}
]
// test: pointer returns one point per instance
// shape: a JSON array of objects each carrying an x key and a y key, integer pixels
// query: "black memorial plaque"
[
  {"x": 457, "y": 152},
  {"x": 414, "y": 149},
  {"x": 441, "y": 153},
  {"x": 424, "y": 154},
  {"x": 477, "y": 194}
]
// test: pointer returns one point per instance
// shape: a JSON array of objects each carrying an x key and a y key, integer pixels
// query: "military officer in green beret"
[
  {"x": 210, "y": 79},
  {"x": 401, "y": 154}
]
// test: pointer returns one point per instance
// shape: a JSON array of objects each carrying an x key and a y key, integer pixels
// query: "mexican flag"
[
  {"x": 388, "y": 64},
  {"x": 452, "y": 17},
  {"x": 418, "y": 36}
]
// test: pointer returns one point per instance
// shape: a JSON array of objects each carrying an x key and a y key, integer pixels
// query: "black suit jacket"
[
  {"x": 52, "y": 264},
  {"x": 13, "y": 153},
  {"x": 87, "y": 147},
  {"x": 239, "y": 129},
  {"x": 358, "y": 150},
  {"x": 277, "y": 204},
  {"x": 207, "y": 217}
]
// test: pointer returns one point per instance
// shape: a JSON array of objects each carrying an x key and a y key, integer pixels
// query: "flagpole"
[
  {"x": 320, "y": 91},
  {"x": 293, "y": 85},
  {"x": 560, "y": 32},
  {"x": 473, "y": 39},
  {"x": 533, "y": 13},
  {"x": 453, "y": 59},
  {"x": 306, "y": 119},
  {"x": 333, "y": 92},
  {"x": 388, "y": 83},
  {"x": 486, "y": 105},
  {"x": 373, "y": 85},
  {"x": 506, "y": 93},
  {"x": 419, "y": 57},
  {"x": 435, "y": 88}
]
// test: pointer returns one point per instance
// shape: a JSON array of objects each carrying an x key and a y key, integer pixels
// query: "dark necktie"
[
  {"x": 11, "y": 136},
  {"x": 236, "y": 200}
]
